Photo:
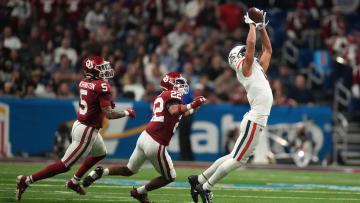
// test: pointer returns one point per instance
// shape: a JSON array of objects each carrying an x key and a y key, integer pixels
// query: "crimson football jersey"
[
  {"x": 94, "y": 94},
  {"x": 163, "y": 125}
]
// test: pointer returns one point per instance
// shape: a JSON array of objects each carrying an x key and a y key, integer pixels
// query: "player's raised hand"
[
  {"x": 264, "y": 23},
  {"x": 198, "y": 101},
  {"x": 249, "y": 21},
  {"x": 131, "y": 113}
]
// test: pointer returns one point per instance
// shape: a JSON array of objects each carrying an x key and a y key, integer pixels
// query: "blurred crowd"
[{"x": 43, "y": 43}]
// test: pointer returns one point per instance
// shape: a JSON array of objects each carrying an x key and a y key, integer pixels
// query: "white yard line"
[
  {"x": 187, "y": 188},
  {"x": 116, "y": 198},
  {"x": 62, "y": 199},
  {"x": 288, "y": 197}
]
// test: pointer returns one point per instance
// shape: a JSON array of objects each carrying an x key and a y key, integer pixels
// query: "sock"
[
  {"x": 89, "y": 162},
  {"x": 106, "y": 172},
  {"x": 207, "y": 185},
  {"x": 28, "y": 180},
  {"x": 94, "y": 175},
  {"x": 225, "y": 168},
  {"x": 142, "y": 190},
  {"x": 75, "y": 180},
  {"x": 49, "y": 171},
  {"x": 202, "y": 178}
]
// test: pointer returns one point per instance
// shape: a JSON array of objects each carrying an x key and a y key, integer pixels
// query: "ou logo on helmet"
[
  {"x": 166, "y": 78},
  {"x": 89, "y": 64}
]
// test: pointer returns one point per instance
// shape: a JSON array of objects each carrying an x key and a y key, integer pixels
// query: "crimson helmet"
[
  {"x": 174, "y": 81},
  {"x": 97, "y": 67}
]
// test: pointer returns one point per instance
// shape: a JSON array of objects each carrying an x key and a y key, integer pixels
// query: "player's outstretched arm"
[
  {"x": 266, "y": 50},
  {"x": 180, "y": 109},
  {"x": 111, "y": 113},
  {"x": 250, "y": 51},
  {"x": 191, "y": 111}
]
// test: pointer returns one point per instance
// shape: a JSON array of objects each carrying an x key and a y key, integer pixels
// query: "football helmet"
[
  {"x": 97, "y": 67},
  {"x": 174, "y": 81},
  {"x": 237, "y": 52}
]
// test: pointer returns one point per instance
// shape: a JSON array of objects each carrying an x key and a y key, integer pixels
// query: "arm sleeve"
[
  {"x": 172, "y": 102},
  {"x": 104, "y": 91},
  {"x": 105, "y": 100}
]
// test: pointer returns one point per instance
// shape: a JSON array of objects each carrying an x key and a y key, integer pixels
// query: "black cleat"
[
  {"x": 206, "y": 195},
  {"x": 193, "y": 181},
  {"x": 93, "y": 176}
]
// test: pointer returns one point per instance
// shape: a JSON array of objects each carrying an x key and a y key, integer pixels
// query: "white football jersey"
[{"x": 257, "y": 88}]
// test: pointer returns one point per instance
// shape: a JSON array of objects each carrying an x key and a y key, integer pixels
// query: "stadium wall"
[{"x": 30, "y": 124}]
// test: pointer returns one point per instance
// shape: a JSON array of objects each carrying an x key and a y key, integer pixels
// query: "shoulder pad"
[
  {"x": 171, "y": 94},
  {"x": 102, "y": 87}
]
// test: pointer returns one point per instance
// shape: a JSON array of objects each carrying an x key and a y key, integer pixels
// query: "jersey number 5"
[{"x": 83, "y": 105}]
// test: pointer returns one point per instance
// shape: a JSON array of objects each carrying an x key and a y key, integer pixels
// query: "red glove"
[
  {"x": 131, "y": 113},
  {"x": 198, "y": 101}
]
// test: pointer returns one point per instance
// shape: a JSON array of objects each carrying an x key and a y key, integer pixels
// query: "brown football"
[{"x": 255, "y": 15}]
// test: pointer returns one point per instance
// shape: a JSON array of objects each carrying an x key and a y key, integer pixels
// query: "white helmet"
[{"x": 237, "y": 53}]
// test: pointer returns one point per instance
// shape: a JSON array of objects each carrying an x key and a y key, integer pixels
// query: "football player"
[
  {"x": 250, "y": 72},
  {"x": 153, "y": 141},
  {"x": 94, "y": 103}
]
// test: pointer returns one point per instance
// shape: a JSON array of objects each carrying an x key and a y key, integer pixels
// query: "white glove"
[
  {"x": 249, "y": 21},
  {"x": 263, "y": 24}
]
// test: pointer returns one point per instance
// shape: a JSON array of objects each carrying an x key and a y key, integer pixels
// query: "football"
[{"x": 255, "y": 15}]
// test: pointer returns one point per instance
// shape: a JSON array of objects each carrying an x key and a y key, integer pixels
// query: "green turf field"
[{"x": 254, "y": 186}]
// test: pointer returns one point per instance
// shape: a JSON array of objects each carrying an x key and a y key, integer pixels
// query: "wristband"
[
  {"x": 126, "y": 113},
  {"x": 191, "y": 111},
  {"x": 188, "y": 107}
]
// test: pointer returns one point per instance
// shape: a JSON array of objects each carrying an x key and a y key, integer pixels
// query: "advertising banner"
[{"x": 33, "y": 123}]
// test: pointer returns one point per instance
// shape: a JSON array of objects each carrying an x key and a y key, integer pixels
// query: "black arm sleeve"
[{"x": 172, "y": 102}]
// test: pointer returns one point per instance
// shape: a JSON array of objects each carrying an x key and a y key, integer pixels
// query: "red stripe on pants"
[
  {"x": 159, "y": 160},
  {"x": 167, "y": 165},
  {"x": 248, "y": 143},
  {"x": 86, "y": 146},
  {"x": 79, "y": 146}
]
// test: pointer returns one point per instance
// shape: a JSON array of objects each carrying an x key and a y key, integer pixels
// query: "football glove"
[
  {"x": 264, "y": 23},
  {"x": 131, "y": 113},
  {"x": 198, "y": 101},
  {"x": 249, "y": 21}
]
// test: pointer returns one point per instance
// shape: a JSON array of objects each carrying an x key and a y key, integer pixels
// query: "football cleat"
[
  {"x": 93, "y": 176},
  {"x": 193, "y": 181},
  {"x": 143, "y": 198},
  {"x": 206, "y": 195},
  {"x": 21, "y": 186},
  {"x": 76, "y": 187}
]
